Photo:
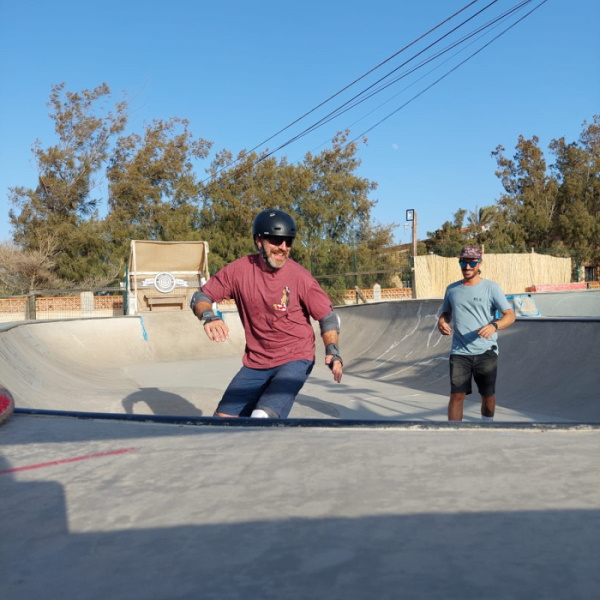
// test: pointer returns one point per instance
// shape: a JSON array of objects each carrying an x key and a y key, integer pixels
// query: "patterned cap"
[{"x": 473, "y": 252}]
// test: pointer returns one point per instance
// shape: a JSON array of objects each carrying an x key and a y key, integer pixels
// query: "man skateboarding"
[{"x": 275, "y": 298}]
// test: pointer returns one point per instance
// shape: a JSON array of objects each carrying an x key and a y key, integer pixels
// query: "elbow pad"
[
  {"x": 199, "y": 296},
  {"x": 330, "y": 322}
]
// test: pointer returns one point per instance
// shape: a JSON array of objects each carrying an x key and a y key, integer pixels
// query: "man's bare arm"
[{"x": 444, "y": 323}]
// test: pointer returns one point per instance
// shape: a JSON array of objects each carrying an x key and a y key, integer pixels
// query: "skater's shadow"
[{"x": 160, "y": 403}]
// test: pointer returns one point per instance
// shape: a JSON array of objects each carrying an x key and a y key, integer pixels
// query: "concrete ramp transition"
[{"x": 396, "y": 366}]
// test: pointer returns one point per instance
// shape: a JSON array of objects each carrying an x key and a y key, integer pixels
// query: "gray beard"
[{"x": 268, "y": 260}]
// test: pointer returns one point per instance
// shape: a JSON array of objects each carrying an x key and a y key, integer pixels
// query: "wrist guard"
[
  {"x": 335, "y": 352},
  {"x": 209, "y": 315}
]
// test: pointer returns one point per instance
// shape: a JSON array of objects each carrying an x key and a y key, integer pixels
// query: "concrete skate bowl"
[
  {"x": 548, "y": 367},
  {"x": 580, "y": 303},
  {"x": 146, "y": 365},
  {"x": 396, "y": 367}
]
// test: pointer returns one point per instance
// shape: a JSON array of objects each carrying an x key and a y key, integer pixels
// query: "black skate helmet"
[{"x": 274, "y": 222}]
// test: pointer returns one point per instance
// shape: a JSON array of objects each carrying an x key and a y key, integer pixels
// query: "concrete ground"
[{"x": 116, "y": 483}]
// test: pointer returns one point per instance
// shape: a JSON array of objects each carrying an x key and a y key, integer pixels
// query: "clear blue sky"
[{"x": 240, "y": 71}]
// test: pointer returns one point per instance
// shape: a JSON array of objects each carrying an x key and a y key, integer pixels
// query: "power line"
[
  {"x": 426, "y": 61},
  {"x": 363, "y": 95},
  {"x": 350, "y": 85},
  {"x": 450, "y": 71},
  {"x": 344, "y": 107},
  {"x": 312, "y": 110}
]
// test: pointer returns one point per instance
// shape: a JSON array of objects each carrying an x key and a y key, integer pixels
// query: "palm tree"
[{"x": 482, "y": 220}]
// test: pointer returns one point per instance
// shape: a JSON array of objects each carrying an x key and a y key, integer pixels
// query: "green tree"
[
  {"x": 153, "y": 189},
  {"x": 504, "y": 235},
  {"x": 336, "y": 206},
  {"x": 322, "y": 193},
  {"x": 67, "y": 192},
  {"x": 339, "y": 234},
  {"x": 451, "y": 237},
  {"x": 235, "y": 193},
  {"x": 531, "y": 195},
  {"x": 481, "y": 220},
  {"x": 490, "y": 228},
  {"x": 577, "y": 168}
]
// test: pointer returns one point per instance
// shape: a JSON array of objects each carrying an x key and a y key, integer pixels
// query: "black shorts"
[{"x": 481, "y": 367}]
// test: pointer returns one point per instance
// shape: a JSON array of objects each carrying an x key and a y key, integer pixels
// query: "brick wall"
[
  {"x": 386, "y": 294},
  {"x": 60, "y": 307},
  {"x": 12, "y": 305}
]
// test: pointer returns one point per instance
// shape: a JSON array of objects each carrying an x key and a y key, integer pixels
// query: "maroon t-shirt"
[{"x": 274, "y": 307}]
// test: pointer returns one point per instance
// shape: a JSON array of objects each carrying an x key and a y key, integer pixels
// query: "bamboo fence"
[{"x": 515, "y": 273}]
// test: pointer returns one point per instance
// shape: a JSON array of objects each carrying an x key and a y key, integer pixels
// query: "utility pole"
[{"x": 411, "y": 215}]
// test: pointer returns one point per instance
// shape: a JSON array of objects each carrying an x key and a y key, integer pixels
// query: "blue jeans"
[{"x": 272, "y": 390}]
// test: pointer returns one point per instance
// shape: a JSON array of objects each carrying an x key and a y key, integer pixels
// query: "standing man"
[
  {"x": 275, "y": 298},
  {"x": 472, "y": 304}
]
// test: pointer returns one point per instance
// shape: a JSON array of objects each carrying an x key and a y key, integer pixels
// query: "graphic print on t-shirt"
[{"x": 285, "y": 300}]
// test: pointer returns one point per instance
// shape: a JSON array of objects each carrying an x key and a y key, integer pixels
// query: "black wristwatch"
[{"x": 494, "y": 324}]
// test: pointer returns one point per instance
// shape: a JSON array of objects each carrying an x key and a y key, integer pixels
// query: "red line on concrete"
[{"x": 67, "y": 460}]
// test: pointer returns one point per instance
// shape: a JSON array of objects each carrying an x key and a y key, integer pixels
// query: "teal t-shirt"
[{"x": 472, "y": 307}]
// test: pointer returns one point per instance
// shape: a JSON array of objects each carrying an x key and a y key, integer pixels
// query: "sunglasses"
[
  {"x": 472, "y": 263},
  {"x": 277, "y": 240}
]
